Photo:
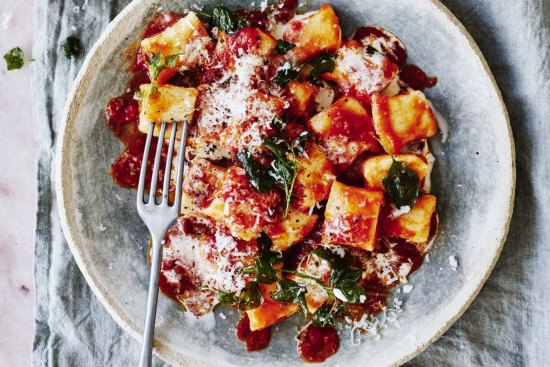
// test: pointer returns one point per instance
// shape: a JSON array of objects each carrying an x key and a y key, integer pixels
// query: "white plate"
[{"x": 473, "y": 179}]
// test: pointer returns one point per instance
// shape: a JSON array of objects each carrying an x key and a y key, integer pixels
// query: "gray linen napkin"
[{"x": 507, "y": 325}]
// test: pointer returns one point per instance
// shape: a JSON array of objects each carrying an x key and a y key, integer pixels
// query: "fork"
[{"x": 158, "y": 217}]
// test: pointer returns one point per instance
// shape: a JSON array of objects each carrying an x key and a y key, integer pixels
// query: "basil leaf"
[
  {"x": 283, "y": 172},
  {"x": 371, "y": 50},
  {"x": 324, "y": 63},
  {"x": 155, "y": 65},
  {"x": 274, "y": 148},
  {"x": 286, "y": 74},
  {"x": 265, "y": 273},
  {"x": 228, "y": 21},
  {"x": 249, "y": 298},
  {"x": 72, "y": 47},
  {"x": 335, "y": 261},
  {"x": 257, "y": 174},
  {"x": 226, "y": 297},
  {"x": 402, "y": 184},
  {"x": 171, "y": 60},
  {"x": 299, "y": 143},
  {"x": 323, "y": 316},
  {"x": 14, "y": 58},
  {"x": 282, "y": 47},
  {"x": 291, "y": 292},
  {"x": 346, "y": 281}
]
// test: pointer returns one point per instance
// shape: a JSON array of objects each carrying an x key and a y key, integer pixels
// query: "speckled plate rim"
[{"x": 455, "y": 308}]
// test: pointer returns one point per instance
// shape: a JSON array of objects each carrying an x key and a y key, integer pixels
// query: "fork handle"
[{"x": 152, "y": 298}]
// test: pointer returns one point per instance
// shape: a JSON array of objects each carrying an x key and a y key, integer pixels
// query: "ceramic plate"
[{"x": 109, "y": 241}]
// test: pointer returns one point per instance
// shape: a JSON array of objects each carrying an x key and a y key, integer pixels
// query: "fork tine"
[
  {"x": 155, "y": 175},
  {"x": 143, "y": 172},
  {"x": 168, "y": 169},
  {"x": 181, "y": 155}
]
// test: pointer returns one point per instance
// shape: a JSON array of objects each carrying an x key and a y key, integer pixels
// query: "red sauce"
[
  {"x": 160, "y": 22},
  {"x": 245, "y": 40},
  {"x": 408, "y": 252},
  {"x": 391, "y": 46},
  {"x": 416, "y": 78},
  {"x": 316, "y": 344},
  {"x": 256, "y": 19},
  {"x": 121, "y": 111},
  {"x": 377, "y": 296},
  {"x": 348, "y": 123},
  {"x": 285, "y": 10},
  {"x": 254, "y": 340}
]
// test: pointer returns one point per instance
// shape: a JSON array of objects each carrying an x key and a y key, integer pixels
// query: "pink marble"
[{"x": 17, "y": 189}]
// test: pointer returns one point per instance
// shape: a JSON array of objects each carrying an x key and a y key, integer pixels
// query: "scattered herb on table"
[
  {"x": 14, "y": 58},
  {"x": 72, "y": 47}
]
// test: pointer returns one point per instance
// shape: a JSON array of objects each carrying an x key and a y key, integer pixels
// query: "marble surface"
[{"x": 18, "y": 151}]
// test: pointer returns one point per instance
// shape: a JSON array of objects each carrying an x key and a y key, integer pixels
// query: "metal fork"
[{"x": 158, "y": 218}]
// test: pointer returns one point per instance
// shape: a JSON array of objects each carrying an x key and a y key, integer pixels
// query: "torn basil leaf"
[
  {"x": 249, "y": 298},
  {"x": 371, "y": 50},
  {"x": 72, "y": 47},
  {"x": 14, "y": 58},
  {"x": 324, "y": 63},
  {"x": 265, "y": 273},
  {"x": 227, "y": 21},
  {"x": 299, "y": 143},
  {"x": 286, "y": 74},
  {"x": 402, "y": 184},
  {"x": 291, "y": 292},
  {"x": 155, "y": 65},
  {"x": 323, "y": 316},
  {"x": 257, "y": 174},
  {"x": 282, "y": 47},
  {"x": 347, "y": 287},
  {"x": 171, "y": 60}
]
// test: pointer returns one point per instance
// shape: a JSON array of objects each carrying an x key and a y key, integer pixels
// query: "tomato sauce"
[
  {"x": 316, "y": 344},
  {"x": 390, "y": 45},
  {"x": 416, "y": 78},
  {"x": 254, "y": 340}
]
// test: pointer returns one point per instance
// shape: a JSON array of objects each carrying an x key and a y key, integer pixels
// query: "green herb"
[
  {"x": 227, "y": 21},
  {"x": 284, "y": 168},
  {"x": 249, "y": 298},
  {"x": 344, "y": 277},
  {"x": 265, "y": 273},
  {"x": 371, "y": 50},
  {"x": 171, "y": 60},
  {"x": 138, "y": 95},
  {"x": 286, "y": 74},
  {"x": 346, "y": 280},
  {"x": 14, "y": 58},
  {"x": 324, "y": 63},
  {"x": 257, "y": 174},
  {"x": 72, "y": 47},
  {"x": 282, "y": 47},
  {"x": 291, "y": 292},
  {"x": 402, "y": 184},
  {"x": 324, "y": 316},
  {"x": 155, "y": 65}
]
